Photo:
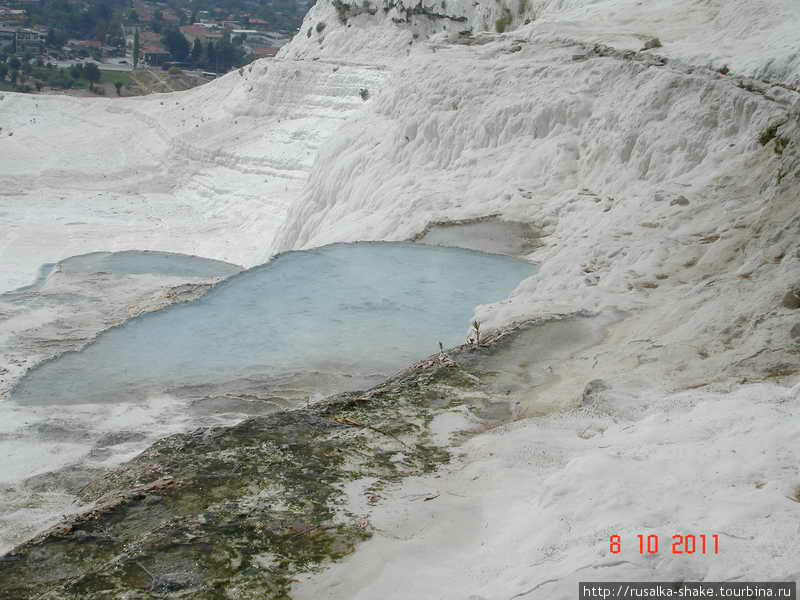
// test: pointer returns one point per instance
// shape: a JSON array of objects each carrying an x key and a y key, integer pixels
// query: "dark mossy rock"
[{"x": 239, "y": 511}]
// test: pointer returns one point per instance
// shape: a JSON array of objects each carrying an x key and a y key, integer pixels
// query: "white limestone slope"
[
  {"x": 662, "y": 188},
  {"x": 649, "y": 180},
  {"x": 654, "y": 194},
  {"x": 754, "y": 38},
  {"x": 529, "y": 509},
  {"x": 209, "y": 171}
]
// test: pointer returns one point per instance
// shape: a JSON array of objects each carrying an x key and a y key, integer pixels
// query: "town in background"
[{"x": 135, "y": 47}]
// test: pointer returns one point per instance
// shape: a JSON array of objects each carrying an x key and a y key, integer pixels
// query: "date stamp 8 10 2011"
[{"x": 677, "y": 544}]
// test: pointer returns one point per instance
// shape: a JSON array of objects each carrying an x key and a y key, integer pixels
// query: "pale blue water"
[{"x": 347, "y": 308}]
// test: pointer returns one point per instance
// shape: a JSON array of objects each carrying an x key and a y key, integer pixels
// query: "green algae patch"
[{"x": 242, "y": 511}]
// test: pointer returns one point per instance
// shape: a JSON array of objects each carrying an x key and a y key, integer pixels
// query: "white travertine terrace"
[{"x": 657, "y": 193}]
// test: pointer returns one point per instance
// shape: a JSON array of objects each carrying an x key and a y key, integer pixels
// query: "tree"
[
  {"x": 76, "y": 71},
  {"x": 157, "y": 22},
  {"x": 211, "y": 55},
  {"x": 101, "y": 31},
  {"x": 91, "y": 73},
  {"x": 176, "y": 43},
  {"x": 56, "y": 38},
  {"x": 118, "y": 85},
  {"x": 136, "y": 49},
  {"x": 228, "y": 55},
  {"x": 197, "y": 51}
]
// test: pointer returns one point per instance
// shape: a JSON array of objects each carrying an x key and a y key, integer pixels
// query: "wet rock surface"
[{"x": 240, "y": 511}]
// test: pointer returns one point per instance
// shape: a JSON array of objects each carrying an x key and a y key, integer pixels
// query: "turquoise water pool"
[{"x": 349, "y": 308}]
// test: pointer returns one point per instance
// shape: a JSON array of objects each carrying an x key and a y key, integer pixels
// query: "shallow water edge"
[{"x": 250, "y": 507}]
